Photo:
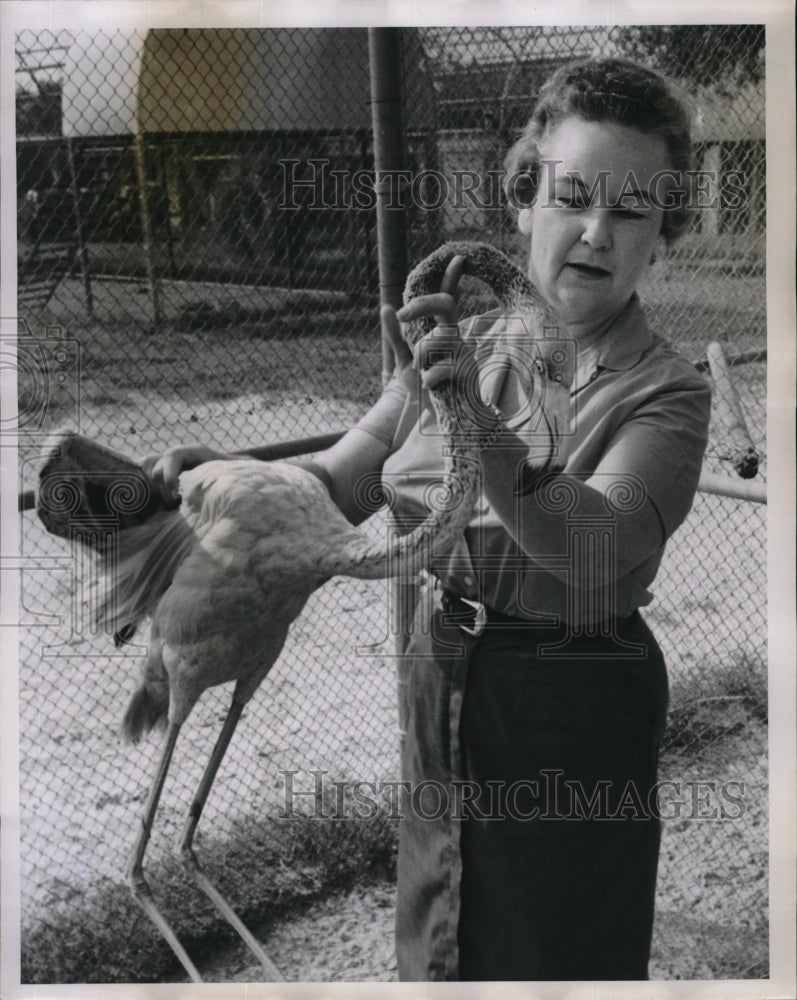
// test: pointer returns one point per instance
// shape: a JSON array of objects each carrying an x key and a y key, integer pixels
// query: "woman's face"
[{"x": 596, "y": 218}]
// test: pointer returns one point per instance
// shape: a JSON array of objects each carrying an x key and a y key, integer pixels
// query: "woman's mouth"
[{"x": 589, "y": 271}]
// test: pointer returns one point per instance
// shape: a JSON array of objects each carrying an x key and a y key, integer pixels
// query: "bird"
[{"x": 223, "y": 574}]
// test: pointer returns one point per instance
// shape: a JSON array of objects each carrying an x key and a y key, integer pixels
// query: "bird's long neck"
[{"x": 451, "y": 504}]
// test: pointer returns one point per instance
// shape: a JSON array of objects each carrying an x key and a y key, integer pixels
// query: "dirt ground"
[
  {"x": 349, "y": 936},
  {"x": 346, "y": 938}
]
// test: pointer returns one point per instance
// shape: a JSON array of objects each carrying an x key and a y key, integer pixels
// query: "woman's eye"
[
  {"x": 567, "y": 201},
  {"x": 631, "y": 213}
]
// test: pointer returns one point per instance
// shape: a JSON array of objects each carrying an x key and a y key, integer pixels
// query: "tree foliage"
[
  {"x": 39, "y": 112},
  {"x": 719, "y": 55}
]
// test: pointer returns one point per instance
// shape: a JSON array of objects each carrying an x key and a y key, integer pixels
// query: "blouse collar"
[{"x": 627, "y": 339}]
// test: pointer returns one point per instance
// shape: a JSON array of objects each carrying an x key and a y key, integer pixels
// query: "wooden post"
[
  {"x": 79, "y": 236},
  {"x": 146, "y": 230},
  {"x": 728, "y": 409}
]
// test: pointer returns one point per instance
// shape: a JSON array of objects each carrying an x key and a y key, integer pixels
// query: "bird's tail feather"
[
  {"x": 141, "y": 568},
  {"x": 147, "y": 710}
]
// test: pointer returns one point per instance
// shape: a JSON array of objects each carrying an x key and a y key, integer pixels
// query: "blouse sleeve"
[{"x": 660, "y": 446}]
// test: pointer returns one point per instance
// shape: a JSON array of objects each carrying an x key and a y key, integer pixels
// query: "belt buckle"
[{"x": 480, "y": 621}]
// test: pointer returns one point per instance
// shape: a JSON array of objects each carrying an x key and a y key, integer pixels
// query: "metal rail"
[{"x": 727, "y": 486}]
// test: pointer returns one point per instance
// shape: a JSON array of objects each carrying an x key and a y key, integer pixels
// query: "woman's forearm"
[
  {"x": 314, "y": 466},
  {"x": 545, "y": 521},
  {"x": 346, "y": 470}
]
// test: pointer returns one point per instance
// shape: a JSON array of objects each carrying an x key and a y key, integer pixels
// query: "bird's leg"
[
  {"x": 189, "y": 859},
  {"x": 135, "y": 871}
]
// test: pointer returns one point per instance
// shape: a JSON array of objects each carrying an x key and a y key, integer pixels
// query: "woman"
[{"x": 529, "y": 836}]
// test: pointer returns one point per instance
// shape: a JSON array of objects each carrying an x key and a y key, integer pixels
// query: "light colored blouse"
[{"x": 639, "y": 427}]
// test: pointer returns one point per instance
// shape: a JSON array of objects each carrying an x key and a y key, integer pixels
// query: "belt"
[{"x": 473, "y": 617}]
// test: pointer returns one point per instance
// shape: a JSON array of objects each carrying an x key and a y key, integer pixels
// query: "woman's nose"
[{"x": 597, "y": 230}]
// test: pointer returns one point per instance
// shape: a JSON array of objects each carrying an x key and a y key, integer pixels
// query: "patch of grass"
[
  {"x": 700, "y": 715},
  {"x": 688, "y": 948},
  {"x": 265, "y": 869}
]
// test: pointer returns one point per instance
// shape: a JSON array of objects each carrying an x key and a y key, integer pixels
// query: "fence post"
[
  {"x": 146, "y": 228},
  {"x": 82, "y": 250},
  {"x": 384, "y": 51}
]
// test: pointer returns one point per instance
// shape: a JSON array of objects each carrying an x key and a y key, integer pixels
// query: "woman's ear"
[
  {"x": 524, "y": 221},
  {"x": 658, "y": 250}
]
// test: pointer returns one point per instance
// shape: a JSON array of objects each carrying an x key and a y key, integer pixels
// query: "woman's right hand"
[
  {"x": 402, "y": 355},
  {"x": 165, "y": 469},
  {"x": 442, "y": 306}
]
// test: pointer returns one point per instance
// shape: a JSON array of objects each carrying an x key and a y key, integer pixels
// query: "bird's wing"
[
  {"x": 227, "y": 610},
  {"x": 273, "y": 519},
  {"x": 247, "y": 534}
]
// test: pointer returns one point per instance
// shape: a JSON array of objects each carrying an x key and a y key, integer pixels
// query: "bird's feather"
[
  {"x": 142, "y": 568},
  {"x": 149, "y": 705}
]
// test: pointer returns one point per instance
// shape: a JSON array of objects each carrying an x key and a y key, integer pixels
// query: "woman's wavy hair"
[{"x": 611, "y": 90}]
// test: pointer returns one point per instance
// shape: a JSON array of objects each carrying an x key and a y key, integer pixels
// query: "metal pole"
[
  {"x": 264, "y": 452},
  {"x": 727, "y": 486},
  {"x": 710, "y": 482},
  {"x": 384, "y": 49}
]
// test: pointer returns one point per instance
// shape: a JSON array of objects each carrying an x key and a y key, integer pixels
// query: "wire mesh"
[{"x": 197, "y": 262}]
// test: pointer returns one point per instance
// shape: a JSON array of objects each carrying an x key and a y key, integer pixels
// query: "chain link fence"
[{"x": 197, "y": 262}]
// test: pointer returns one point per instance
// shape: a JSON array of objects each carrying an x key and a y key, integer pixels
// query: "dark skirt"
[{"x": 529, "y": 836}]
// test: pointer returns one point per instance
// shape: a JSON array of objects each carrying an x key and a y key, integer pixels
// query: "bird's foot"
[
  {"x": 271, "y": 973},
  {"x": 143, "y": 896}
]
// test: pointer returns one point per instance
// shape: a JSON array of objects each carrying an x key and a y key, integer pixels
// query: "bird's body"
[
  {"x": 233, "y": 566},
  {"x": 225, "y": 575}
]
